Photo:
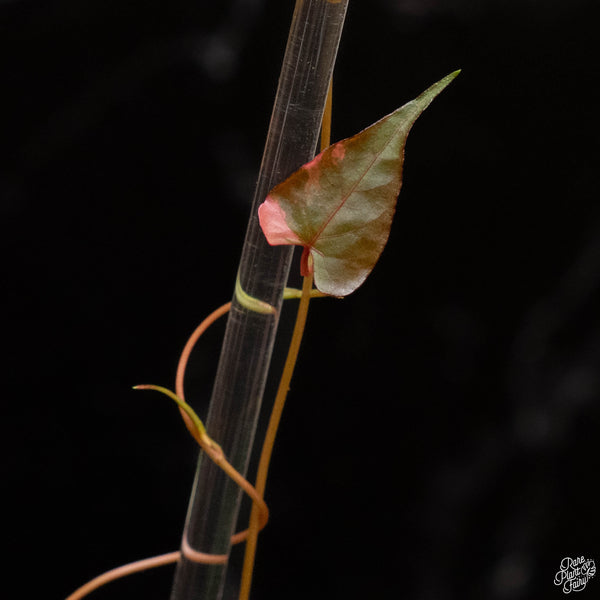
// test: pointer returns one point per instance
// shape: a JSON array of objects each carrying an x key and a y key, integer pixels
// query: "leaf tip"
[{"x": 445, "y": 81}]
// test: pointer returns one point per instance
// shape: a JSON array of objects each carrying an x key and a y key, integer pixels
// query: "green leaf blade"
[{"x": 340, "y": 205}]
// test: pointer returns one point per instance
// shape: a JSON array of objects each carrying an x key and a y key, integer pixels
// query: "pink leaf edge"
[{"x": 272, "y": 221}]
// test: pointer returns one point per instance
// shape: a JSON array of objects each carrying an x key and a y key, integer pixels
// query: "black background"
[{"x": 440, "y": 437}]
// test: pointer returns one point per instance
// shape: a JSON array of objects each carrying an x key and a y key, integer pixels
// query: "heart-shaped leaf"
[{"x": 339, "y": 206}]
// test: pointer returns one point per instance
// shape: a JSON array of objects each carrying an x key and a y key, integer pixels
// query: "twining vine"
[{"x": 338, "y": 208}]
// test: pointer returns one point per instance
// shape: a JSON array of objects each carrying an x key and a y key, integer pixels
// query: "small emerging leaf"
[{"x": 340, "y": 205}]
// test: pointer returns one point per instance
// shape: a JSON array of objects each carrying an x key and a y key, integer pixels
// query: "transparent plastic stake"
[{"x": 245, "y": 356}]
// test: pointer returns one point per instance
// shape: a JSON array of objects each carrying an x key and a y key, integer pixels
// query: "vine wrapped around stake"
[
  {"x": 196, "y": 428},
  {"x": 215, "y": 453}
]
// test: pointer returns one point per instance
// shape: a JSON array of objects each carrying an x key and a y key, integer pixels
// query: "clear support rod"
[{"x": 246, "y": 353}]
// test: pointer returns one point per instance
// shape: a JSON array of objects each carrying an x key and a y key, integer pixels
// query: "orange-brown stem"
[
  {"x": 185, "y": 355},
  {"x": 284, "y": 385},
  {"x": 134, "y": 567},
  {"x": 267, "y": 449}
]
